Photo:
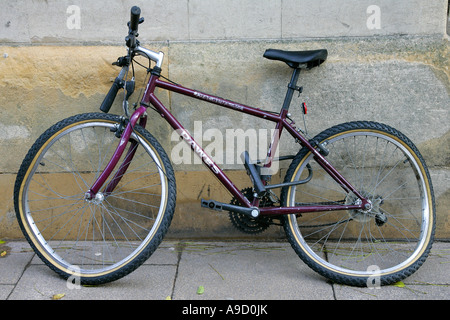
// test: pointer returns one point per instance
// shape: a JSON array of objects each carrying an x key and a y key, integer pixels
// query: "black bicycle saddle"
[{"x": 296, "y": 59}]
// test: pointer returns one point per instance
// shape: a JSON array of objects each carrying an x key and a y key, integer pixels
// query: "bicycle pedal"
[{"x": 219, "y": 206}]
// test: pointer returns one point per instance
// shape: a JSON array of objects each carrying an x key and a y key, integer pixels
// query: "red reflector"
[{"x": 305, "y": 109}]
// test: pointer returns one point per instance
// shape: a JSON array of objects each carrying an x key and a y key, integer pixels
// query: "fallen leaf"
[
  {"x": 399, "y": 284},
  {"x": 200, "y": 290},
  {"x": 58, "y": 296},
  {"x": 3, "y": 253},
  {"x": 2, "y": 242},
  {"x": 168, "y": 298}
]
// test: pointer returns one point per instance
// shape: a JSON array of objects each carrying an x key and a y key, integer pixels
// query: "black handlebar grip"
[
  {"x": 111, "y": 96},
  {"x": 134, "y": 20}
]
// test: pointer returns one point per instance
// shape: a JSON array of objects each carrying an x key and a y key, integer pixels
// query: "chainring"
[{"x": 247, "y": 224}]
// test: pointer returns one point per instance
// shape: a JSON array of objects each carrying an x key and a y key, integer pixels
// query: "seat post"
[{"x": 292, "y": 86}]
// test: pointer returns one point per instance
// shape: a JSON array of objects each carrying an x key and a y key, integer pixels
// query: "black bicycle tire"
[
  {"x": 152, "y": 245},
  {"x": 358, "y": 281}
]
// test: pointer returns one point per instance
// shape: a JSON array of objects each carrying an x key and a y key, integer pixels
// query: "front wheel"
[
  {"x": 95, "y": 240},
  {"x": 382, "y": 245}
]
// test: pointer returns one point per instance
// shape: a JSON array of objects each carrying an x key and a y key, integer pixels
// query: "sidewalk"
[{"x": 225, "y": 271}]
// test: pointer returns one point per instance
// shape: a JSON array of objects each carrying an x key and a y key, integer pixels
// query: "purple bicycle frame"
[{"x": 280, "y": 119}]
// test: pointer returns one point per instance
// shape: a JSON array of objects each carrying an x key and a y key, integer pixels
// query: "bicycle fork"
[{"x": 94, "y": 194}]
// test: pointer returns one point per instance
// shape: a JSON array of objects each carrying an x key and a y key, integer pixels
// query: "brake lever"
[
  {"x": 129, "y": 87},
  {"x": 122, "y": 61}
]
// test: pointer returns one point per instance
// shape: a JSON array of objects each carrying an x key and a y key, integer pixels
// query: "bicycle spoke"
[
  {"x": 97, "y": 234},
  {"x": 389, "y": 232}
]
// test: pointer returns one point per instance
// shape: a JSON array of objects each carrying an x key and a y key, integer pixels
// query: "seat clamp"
[{"x": 296, "y": 88}]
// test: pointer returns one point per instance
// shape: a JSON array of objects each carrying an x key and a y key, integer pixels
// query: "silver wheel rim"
[
  {"x": 48, "y": 247},
  {"x": 425, "y": 216}
]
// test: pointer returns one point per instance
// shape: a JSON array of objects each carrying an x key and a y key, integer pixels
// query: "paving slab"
[
  {"x": 430, "y": 282},
  {"x": 18, "y": 256},
  {"x": 394, "y": 292},
  {"x": 146, "y": 283},
  {"x": 225, "y": 271},
  {"x": 246, "y": 271}
]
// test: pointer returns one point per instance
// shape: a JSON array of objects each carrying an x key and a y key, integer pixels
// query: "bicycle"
[{"x": 96, "y": 193}]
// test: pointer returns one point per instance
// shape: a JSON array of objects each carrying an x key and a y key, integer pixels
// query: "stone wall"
[{"x": 388, "y": 62}]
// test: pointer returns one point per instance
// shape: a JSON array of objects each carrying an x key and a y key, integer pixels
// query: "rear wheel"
[
  {"x": 102, "y": 239},
  {"x": 381, "y": 245}
]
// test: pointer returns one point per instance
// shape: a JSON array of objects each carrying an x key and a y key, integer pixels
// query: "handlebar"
[
  {"x": 134, "y": 19},
  {"x": 111, "y": 96},
  {"x": 133, "y": 25},
  {"x": 124, "y": 62},
  {"x": 112, "y": 93}
]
